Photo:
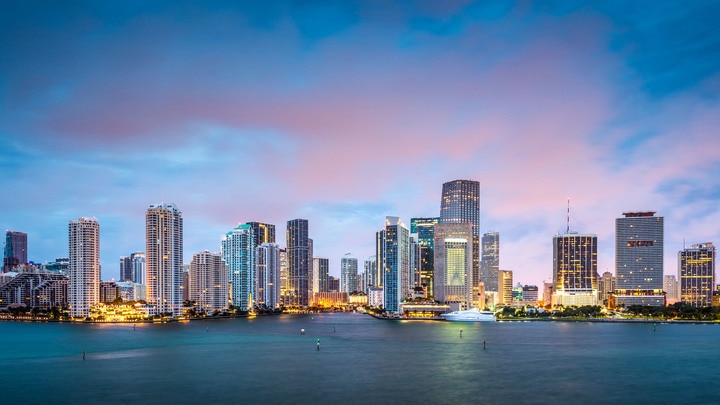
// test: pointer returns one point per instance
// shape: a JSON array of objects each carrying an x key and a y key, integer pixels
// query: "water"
[{"x": 267, "y": 360}]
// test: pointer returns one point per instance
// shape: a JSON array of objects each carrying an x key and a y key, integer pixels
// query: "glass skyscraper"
[
  {"x": 348, "y": 273},
  {"x": 299, "y": 259},
  {"x": 238, "y": 250},
  {"x": 396, "y": 283},
  {"x": 639, "y": 259},
  {"x": 453, "y": 265},
  {"x": 15, "y": 250},
  {"x": 490, "y": 263},
  {"x": 575, "y": 269},
  {"x": 268, "y": 275},
  {"x": 424, "y": 228},
  {"x": 697, "y": 274},
  {"x": 460, "y": 203}
]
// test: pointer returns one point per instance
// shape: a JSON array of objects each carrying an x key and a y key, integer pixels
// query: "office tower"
[
  {"x": 414, "y": 263},
  {"x": 424, "y": 229},
  {"x": 453, "y": 265},
  {"x": 697, "y": 274},
  {"x": 396, "y": 283},
  {"x": 490, "y": 263},
  {"x": 505, "y": 281},
  {"x": 639, "y": 259},
  {"x": 671, "y": 286},
  {"x": 461, "y": 204},
  {"x": 138, "y": 267},
  {"x": 238, "y": 250},
  {"x": 284, "y": 278},
  {"x": 164, "y": 258},
  {"x": 575, "y": 269},
  {"x": 311, "y": 280},
  {"x": 379, "y": 258},
  {"x": 348, "y": 273},
  {"x": 530, "y": 293},
  {"x": 268, "y": 275},
  {"x": 262, "y": 233},
  {"x": 15, "y": 250},
  {"x": 370, "y": 267},
  {"x": 298, "y": 262},
  {"x": 207, "y": 282},
  {"x": 125, "y": 268},
  {"x": 84, "y": 271},
  {"x": 606, "y": 285},
  {"x": 321, "y": 270}
]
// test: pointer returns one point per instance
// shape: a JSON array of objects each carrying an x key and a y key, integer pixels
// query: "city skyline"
[{"x": 344, "y": 114}]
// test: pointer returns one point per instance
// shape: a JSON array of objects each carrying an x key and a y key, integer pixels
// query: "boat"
[{"x": 470, "y": 315}]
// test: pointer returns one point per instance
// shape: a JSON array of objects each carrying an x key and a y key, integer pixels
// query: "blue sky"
[{"x": 343, "y": 113}]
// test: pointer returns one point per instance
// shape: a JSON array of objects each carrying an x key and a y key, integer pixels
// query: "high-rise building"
[
  {"x": 461, "y": 204},
  {"x": 284, "y": 278},
  {"x": 575, "y": 269},
  {"x": 333, "y": 284},
  {"x": 164, "y": 258},
  {"x": 125, "y": 268},
  {"x": 697, "y": 274},
  {"x": 370, "y": 266},
  {"x": 262, "y": 233},
  {"x": 208, "y": 281},
  {"x": 490, "y": 263},
  {"x": 348, "y": 273},
  {"x": 15, "y": 250},
  {"x": 84, "y": 271},
  {"x": 138, "y": 268},
  {"x": 379, "y": 258},
  {"x": 298, "y": 253},
  {"x": 311, "y": 280},
  {"x": 671, "y": 286},
  {"x": 606, "y": 285},
  {"x": 530, "y": 293},
  {"x": 505, "y": 287},
  {"x": 639, "y": 259},
  {"x": 238, "y": 250},
  {"x": 268, "y": 275},
  {"x": 424, "y": 228},
  {"x": 396, "y": 255},
  {"x": 453, "y": 265},
  {"x": 321, "y": 270}
]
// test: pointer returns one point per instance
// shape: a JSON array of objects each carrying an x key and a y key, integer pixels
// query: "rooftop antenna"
[{"x": 568, "y": 217}]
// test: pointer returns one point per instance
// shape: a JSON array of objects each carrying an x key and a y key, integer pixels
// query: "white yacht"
[{"x": 470, "y": 315}]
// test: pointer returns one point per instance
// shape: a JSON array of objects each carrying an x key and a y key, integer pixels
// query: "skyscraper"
[
  {"x": 238, "y": 250},
  {"x": 461, "y": 204},
  {"x": 138, "y": 268},
  {"x": 84, "y": 272},
  {"x": 370, "y": 266},
  {"x": 298, "y": 251},
  {"x": 639, "y": 259},
  {"x": 424, "y": 228},
  {"x": 490, "y": 263},
  {"x": 379, "y": 258},
  {"x": 453, "y": 265},
  {"x": 606, "y": 285},
  {"x": 262, "y": 233},
  {"x": 15, "y": 250},
  {"x": 321, "y": 270},
  {"x": 164, "y": 258},
  {"x": 505, "y": 286},
  {"x": 126, "y": 268},
  {"x": 396, "y": 283},
  {"x": 348, "y": 273},
  {"x": 575, "y": 269},
  {"x": 697, "y": 274},
  {"x": 268, "y": 275},
  {"x": 207, "y": 282}
]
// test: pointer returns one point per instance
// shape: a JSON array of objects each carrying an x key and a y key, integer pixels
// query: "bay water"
[{"x": 268, "y": 360}]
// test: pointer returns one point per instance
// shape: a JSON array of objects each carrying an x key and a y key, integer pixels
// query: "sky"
[{"x": 343, "y": 113}]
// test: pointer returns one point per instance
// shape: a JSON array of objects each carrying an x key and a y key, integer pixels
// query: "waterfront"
[{"x": 361, "y": 359}]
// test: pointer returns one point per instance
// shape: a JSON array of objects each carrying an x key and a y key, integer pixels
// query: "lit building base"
[
  {"x": 575, "y": 299},
  {"x": 626, "y": 298}
]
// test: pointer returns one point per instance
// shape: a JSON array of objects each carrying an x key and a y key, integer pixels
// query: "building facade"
[
  {"x": 208, "y": 282},
  {"x": 299, "y": 262},
  {"x": 575, "y": 269},
  {"x": 396, "y": 254},
  {"x": 490, "y": 260},
  {"x": 697, "y": 274},
  {"x": 460, "y": 203},
  {"x": 164, "y": 258},
  {"x": 268, "y": 275},
  {"x": 348, "y": 273},
  {"x": 238, "y": 251},
  {"x": 639, "y": 242},
  {"x": 453, "y": 265},
  {"x": 424, "y": 229},
  {"x": 84, "y": 272},
  {"x": 505, "y": 287},
  {"x": 15, "y": 252}
]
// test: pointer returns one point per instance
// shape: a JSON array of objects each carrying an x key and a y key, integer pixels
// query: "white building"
[
  {"x": 164, "y": 258},
  {"x": 84, "y": 272}
]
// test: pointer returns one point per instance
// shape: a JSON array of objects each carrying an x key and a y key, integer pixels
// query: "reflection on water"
[{"x": 268, "y": 360}]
